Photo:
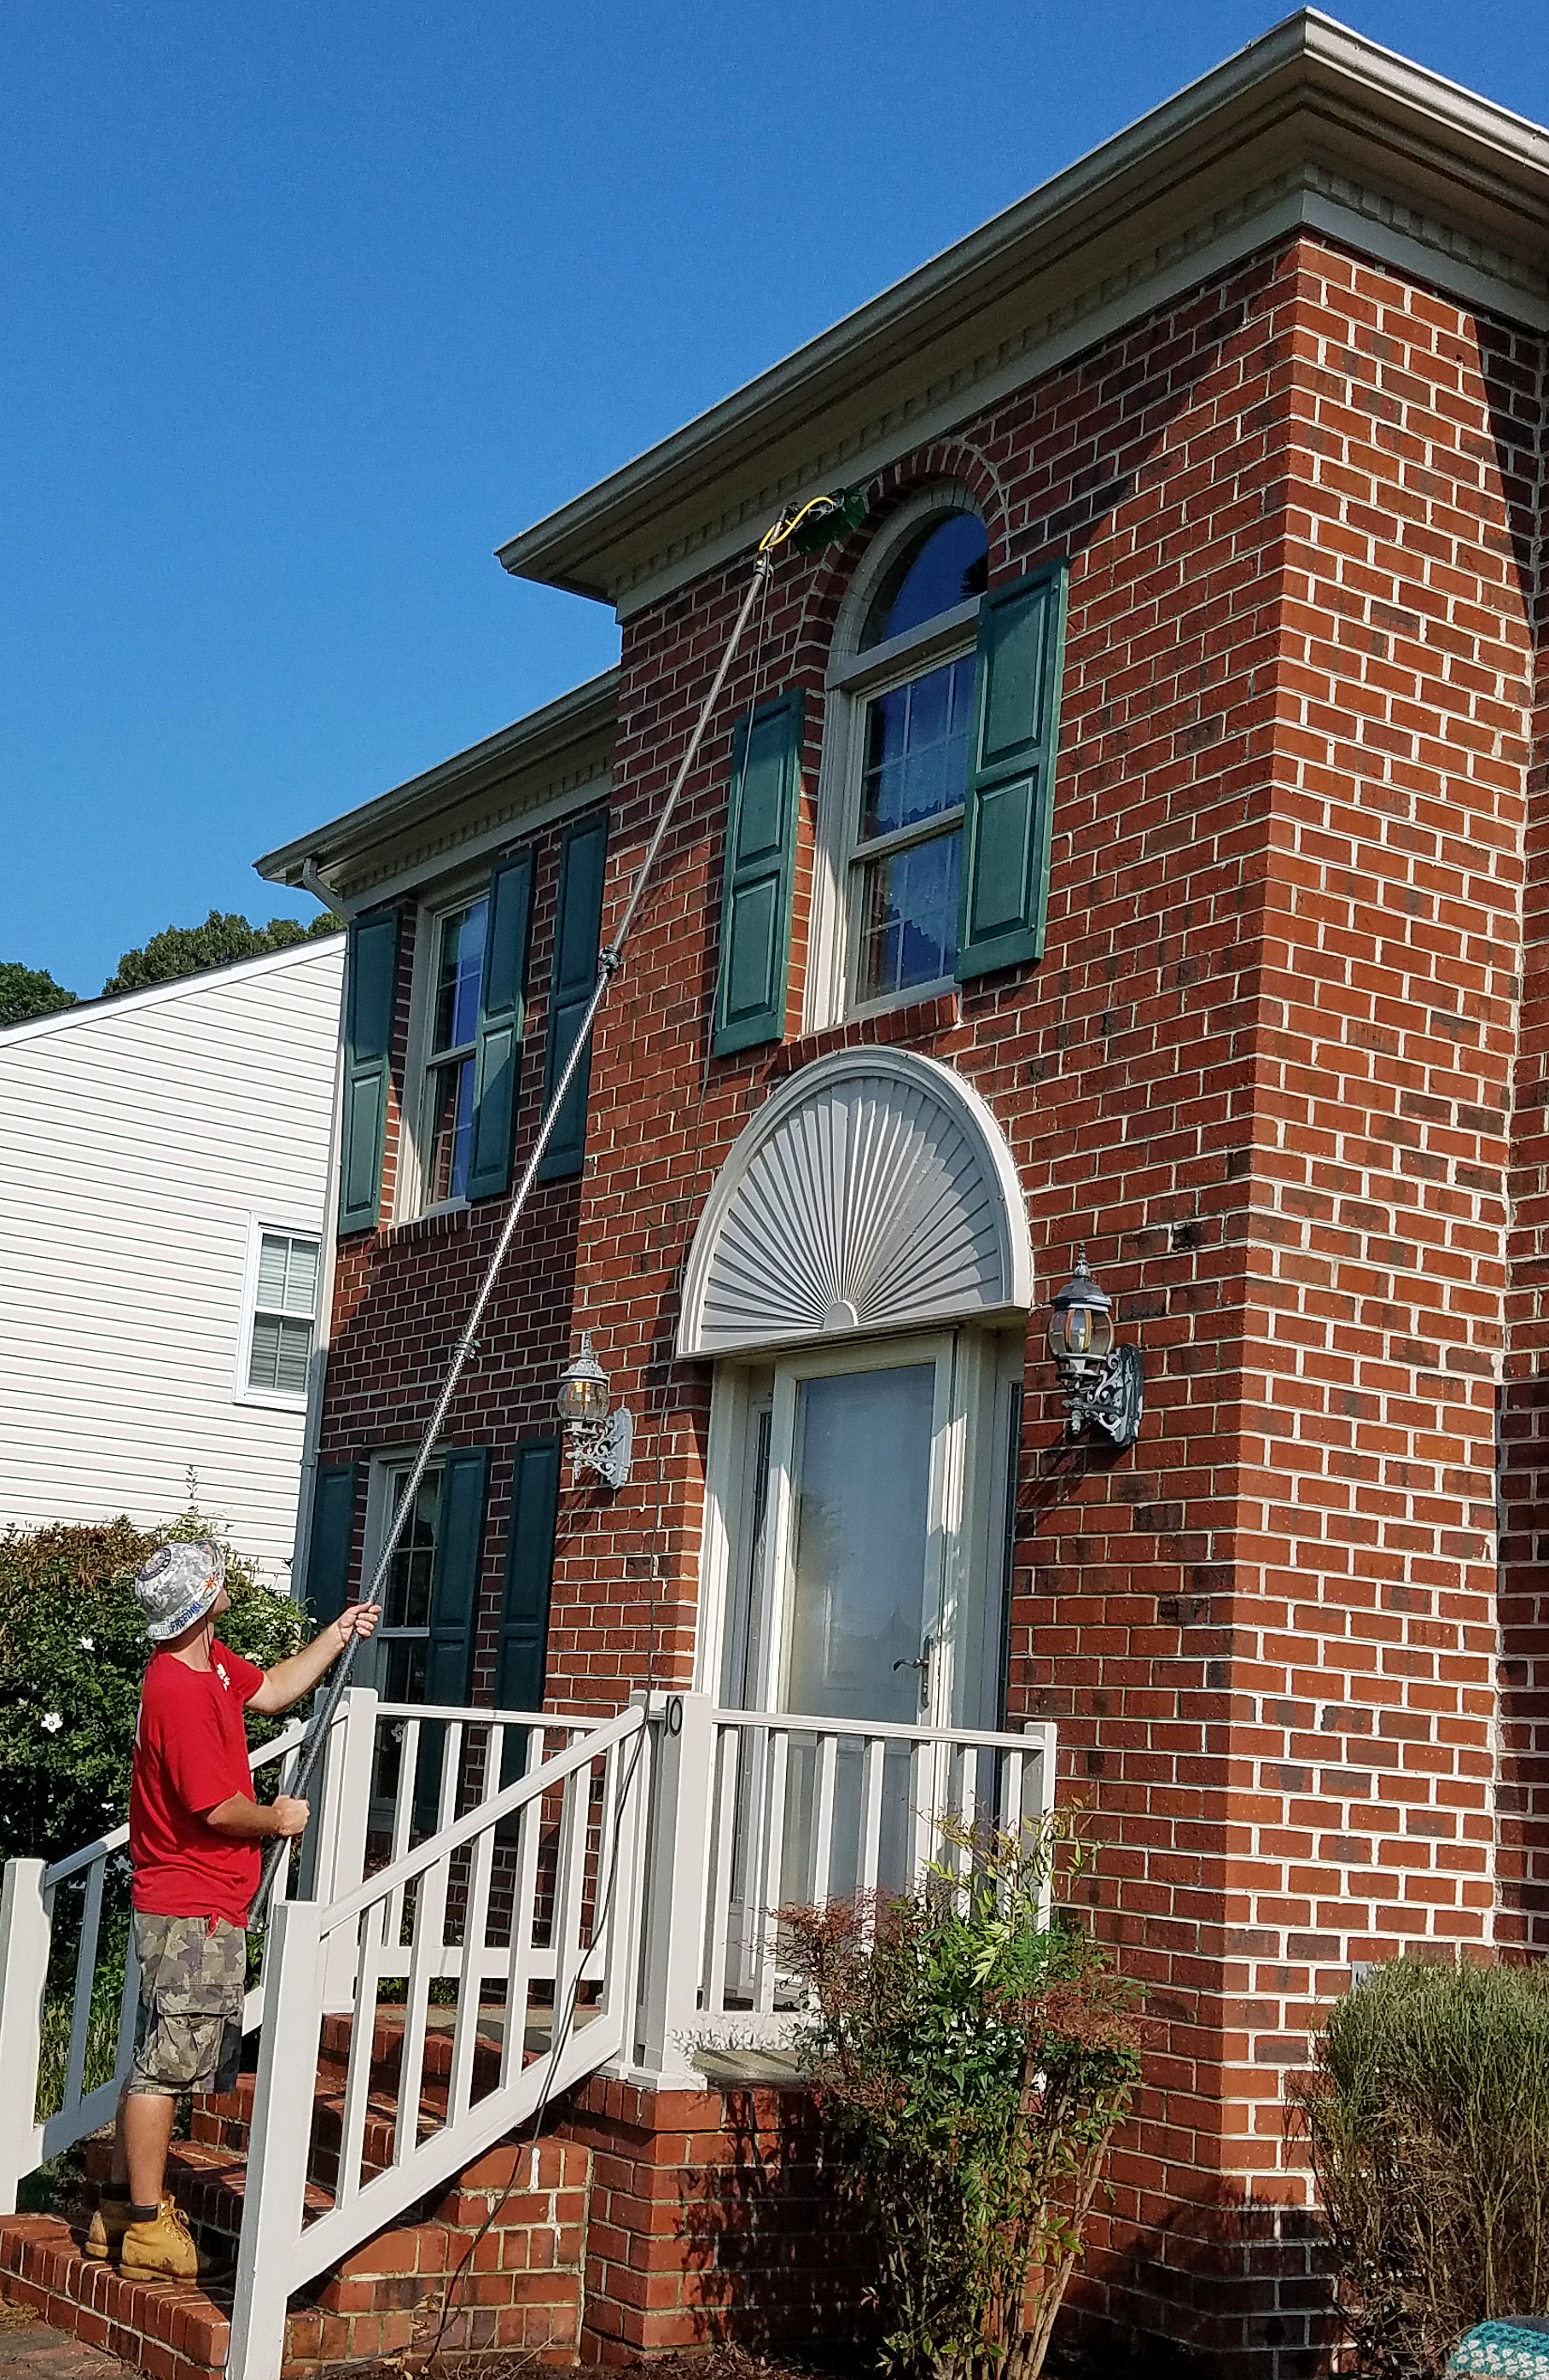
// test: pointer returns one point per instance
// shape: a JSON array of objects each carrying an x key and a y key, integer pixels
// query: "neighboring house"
[{"x": 161, "y": 1173}]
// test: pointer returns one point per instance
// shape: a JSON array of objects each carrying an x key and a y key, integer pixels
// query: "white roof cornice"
[{"x": 1311, "y": 125}]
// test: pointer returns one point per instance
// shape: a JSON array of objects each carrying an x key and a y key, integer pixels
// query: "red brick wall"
[{"x": 1264, "y": 1072}]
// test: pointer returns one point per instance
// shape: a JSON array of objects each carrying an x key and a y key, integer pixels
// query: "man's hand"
[
  {"x": 286, "y": 1815},
  {"x": 357, "y": 1620},
  {"x": 290, "y": 1815}
]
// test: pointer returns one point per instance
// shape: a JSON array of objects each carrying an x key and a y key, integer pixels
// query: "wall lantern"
[
  {"x": 1103, "y": 1384},
  {"x": 597, "y": 1439}
]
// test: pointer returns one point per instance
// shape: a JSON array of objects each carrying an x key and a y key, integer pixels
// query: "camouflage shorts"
[{"x": 189, "y": 2027}]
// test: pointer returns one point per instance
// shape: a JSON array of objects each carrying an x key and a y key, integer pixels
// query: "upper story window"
[
  {"x": 451, "y": 1060},
  {"x": 896, "y": 762}
]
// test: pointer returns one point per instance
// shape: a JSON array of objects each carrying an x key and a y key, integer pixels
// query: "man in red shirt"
[{"x": 195, "y": 1838}]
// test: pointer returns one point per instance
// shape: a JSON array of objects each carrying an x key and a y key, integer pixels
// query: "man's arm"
[
  {"x": 285, "y": 1814},
  {"x": 288, "y": 1680}
]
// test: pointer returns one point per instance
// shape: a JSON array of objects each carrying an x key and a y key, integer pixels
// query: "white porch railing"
[
  {"x": 614, "y": 1904},
  {"x": 755, "y": 1812},
  {"x": 533, "y": 1886}
]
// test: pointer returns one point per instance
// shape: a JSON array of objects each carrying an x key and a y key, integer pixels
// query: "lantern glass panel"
[{"x": 583, "y": 1401}]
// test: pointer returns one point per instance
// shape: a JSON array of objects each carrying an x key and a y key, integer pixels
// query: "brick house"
[{"x": 1128, "y": 833}]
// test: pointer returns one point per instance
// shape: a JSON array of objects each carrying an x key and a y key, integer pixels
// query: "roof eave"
[{"x": 1349, "y": 89}]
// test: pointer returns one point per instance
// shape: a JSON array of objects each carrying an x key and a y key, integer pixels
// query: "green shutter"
[
  {"x": 1011, "y": 787},
  {"x": 524, "y": 1618},
  {"x": 332, "y": 1541},
  {"x": 368, "y": 1047},
  {"x": 498, "y": 1057},
  {"x": 459, "y": 1548},
  {"x": 759, "y": 873},
  {"x": 580, "y": 925}
]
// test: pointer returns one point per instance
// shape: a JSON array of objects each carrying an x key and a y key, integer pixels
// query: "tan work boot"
[
  {"x": 165, "y": 2249},
  {"x": 105, "y": 2233}
]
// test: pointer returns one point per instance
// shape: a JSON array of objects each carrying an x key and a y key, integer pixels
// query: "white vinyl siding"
[{"x": 142, "y": 1137}]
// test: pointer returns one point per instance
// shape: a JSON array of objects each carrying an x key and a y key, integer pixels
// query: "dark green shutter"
[
  {"x": 579, "y": 926},
  {"x": 459, "y": 1548},
  {"x": 332, "y": 1541},
  {"x": 759, "y": 873},
  {"x": 498, "y": 1056},
  {"x": 1011, "y": 787},
  {"x": 524, "y": 1618},
  {"x": 370, "y": 998}
]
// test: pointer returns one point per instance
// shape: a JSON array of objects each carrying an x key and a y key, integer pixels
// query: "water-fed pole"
[{"x": 842, "y": 505}]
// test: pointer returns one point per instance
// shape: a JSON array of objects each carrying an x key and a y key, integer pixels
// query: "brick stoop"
[{"x": 520, "y": 2292}]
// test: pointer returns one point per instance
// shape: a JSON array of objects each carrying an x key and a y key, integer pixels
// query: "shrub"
[
  {"x": 1427, "y": 2115},
  {"x": 72, "y": 1654},
  {"x": 971, "y": 2061}
]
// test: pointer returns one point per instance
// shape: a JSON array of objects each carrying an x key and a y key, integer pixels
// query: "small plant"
[
  {"x": 1427, "y": 2115},
  {"x": 972, "y": 2057}
]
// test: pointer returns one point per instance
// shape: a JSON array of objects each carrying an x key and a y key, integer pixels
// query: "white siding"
[{"x": 139, "y": 1140}]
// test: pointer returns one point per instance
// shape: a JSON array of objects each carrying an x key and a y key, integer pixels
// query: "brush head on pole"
[{"x": 846, "y": 510}]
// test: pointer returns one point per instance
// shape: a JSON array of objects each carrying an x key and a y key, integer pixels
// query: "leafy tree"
[
  {"x": 30, "y": 991},
  {"x": 224, "y": 936}
]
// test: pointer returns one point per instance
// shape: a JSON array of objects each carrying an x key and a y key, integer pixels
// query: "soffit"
[
  {"x": 1310, "y": 119},
  {"x": 554, "y": 759}
]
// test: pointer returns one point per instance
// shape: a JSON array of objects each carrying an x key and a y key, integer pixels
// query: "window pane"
[
  {"x": 917, "y": 749},
  {"x": 863, "y": 1468},
  {"x": 944, "y": 566},
  {"x": 407, "y": 1597},
  {"x": 451, "y": 1089},
  {"x": 909, "y": 922},
  {"x": 280, "y": 1350},
  {"x": 288, "y": 1271},
  {"x": 459, "y": 975}
]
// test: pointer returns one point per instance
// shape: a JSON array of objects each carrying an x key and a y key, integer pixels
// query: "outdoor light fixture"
[
  {"x": 598, "y": 1440},
  {"x": 1103, "y": 1384}
]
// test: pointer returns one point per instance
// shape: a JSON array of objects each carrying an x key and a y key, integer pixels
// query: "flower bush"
[
  {"x": 73, "y": 1651},
  {"x": 973, "y": 2059}
]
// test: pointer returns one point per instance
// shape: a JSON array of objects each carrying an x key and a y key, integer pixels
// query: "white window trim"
[
  {"x": 372, "y": 1667},
  {"x": 966, "y": 1509},
  {"x": 409, "y": 1186},
  {"x": 276, "y": 1400},
  {"x": 854, "y": 677}
]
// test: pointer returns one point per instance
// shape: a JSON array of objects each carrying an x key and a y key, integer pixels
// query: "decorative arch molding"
[{"x": 873, "y": 1192}]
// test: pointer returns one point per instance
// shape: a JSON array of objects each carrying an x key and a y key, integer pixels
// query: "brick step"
[{"x": 518, "y": 2290}]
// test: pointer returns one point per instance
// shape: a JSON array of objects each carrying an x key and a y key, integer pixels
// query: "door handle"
[{"x": 923, "y": 1666}]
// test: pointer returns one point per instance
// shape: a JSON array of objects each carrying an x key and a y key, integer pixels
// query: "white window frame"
[
  {"x": 854, "y": 679},
  {"x": 277, "y": 1400},
  {"x": 971, "y": 1475},
  {"x": 461, "y": 893}
]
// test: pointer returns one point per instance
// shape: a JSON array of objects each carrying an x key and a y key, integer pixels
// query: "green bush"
[
  {"x": 1427, "y": 2115},
  {"x": 971, "y": 2061},
  {"x": 73, "y": 1651}
]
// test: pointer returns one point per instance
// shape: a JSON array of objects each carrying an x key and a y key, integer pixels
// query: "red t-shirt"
[{"x": 190, "y": 1753}]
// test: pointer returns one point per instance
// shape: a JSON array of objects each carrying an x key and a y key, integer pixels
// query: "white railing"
[
  {"x": 755, "y": 1812},
  {"x": 27, "y": 1915},
  {"x": 534, "y": 1886}
]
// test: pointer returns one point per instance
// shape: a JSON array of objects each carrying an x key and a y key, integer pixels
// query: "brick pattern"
[{"x": 1265, "y": 1072}]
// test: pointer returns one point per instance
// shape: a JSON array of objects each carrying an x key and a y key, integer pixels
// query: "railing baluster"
[
  {"x": 429, "y": 1928},
  {"x": 85, "y": 1975},
  {"x": 403, "y": 1822},
  {"x": 470, "y": 1989},
  {"x": 513, "y": 2048},
  {"x": 570, "y": 1881},
  {"x": 872, "y": 1764},
  {"x": 362, "y": 2051},
  {"x": 823, "y": 1819},
  {"x": 494, "y": 1761},
  {"x": 726, "y": 1749},
  {"x": 770, "y": 1895},
  {"x": 922, "y": 1827}
]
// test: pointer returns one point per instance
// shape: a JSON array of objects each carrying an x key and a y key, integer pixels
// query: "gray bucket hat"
[{"x": 177, "y": 1585}]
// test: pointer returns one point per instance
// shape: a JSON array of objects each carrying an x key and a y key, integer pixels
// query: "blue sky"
[{"x": 308, "y": 303}]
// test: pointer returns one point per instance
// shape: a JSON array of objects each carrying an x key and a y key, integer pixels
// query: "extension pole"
[{"x": 609, "y": 963}]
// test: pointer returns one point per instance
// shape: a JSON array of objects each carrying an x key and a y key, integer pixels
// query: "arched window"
[{"x": 901, "y": 696}]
